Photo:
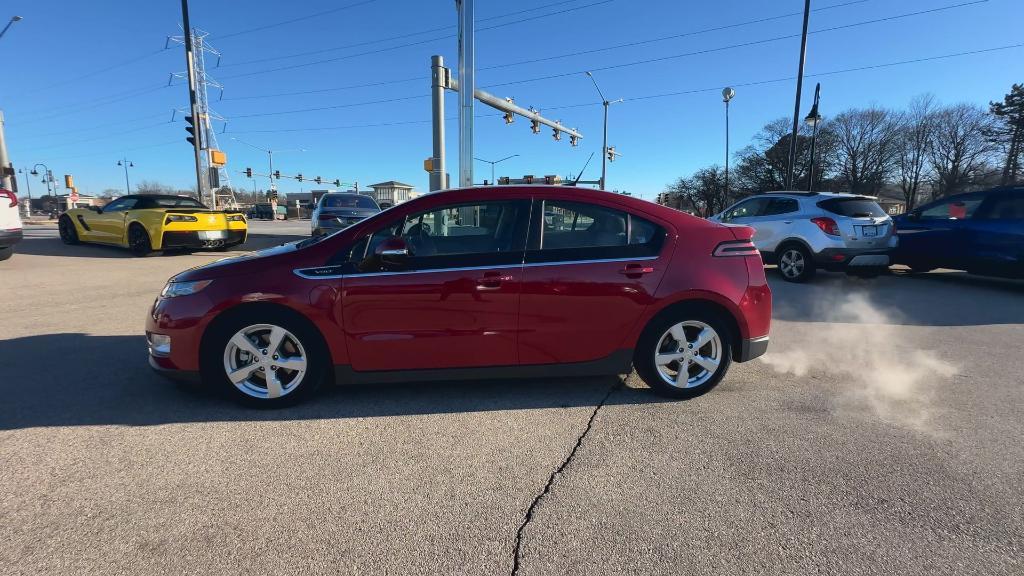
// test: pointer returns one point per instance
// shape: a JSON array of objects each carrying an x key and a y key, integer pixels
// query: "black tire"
[
  {"x": 138, "y": 240},
  {"x": 67, "y": 230},
  {"x": 6, "y": 252},
  {"x": 795, "y": 263},
  {"x": 311, "y": 346},
  {"x": 655, "y": 338}
]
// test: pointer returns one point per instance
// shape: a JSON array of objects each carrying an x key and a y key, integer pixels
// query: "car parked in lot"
[
  {"x": 805, "y": 231},
  {"x": 339, "y": 210},
  {"x": 474, "y": 283},
  {"x": 148, "y": 222},
  {"x": 980, "y": 232},
  {"x": 10, "y": 223}
]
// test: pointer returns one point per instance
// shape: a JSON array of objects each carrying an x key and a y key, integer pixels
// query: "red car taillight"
[
  {"x": 736, "y": 248},
  {"x": 827, "y": 225},
  {"x": 10, "y": 196}
]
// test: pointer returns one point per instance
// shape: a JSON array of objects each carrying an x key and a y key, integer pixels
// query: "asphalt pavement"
[{"x": 881, "y": 436}]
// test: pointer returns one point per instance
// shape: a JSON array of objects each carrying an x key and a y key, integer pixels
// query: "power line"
[
  {"x": 96, "y": 103},
  {"x": 409, "y": 44},
  {"x": 334, "y": 107},
  {"x": 715, "y": 88},
  {"x": 105, "y": 136},
  {"x": 670, "y": 37},
  {"x": 389, "y": 38},
  {"x": 732, "y": 46},
  {"x": 96, "y": 72},
  {"x": 294, "y": 20},
  {"x": 628, "y": 64},
  {"x": 335, "y": 89},
  {"x": 103, "y": 126}
]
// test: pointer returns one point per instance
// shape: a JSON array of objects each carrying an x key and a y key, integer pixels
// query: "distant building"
[{"x": 390, "y": 193}]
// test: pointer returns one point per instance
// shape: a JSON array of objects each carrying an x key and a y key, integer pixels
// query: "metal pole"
[
  {"x": 438, "y": 83},
  {"x": 127, "y": 185},
  {"x": 604, "y": 147},
  {"x": 727, "y": 150},
  {"x": 814, "y": 136},
  {"x": 5, "y": 179},
  {"x": 467, "y": 87},
  {"x": 270, "y": 174},
  {"x": 796, "y": 107},
  {"x": 192, "y": 99},
  {"x": 28, "y": 187}
]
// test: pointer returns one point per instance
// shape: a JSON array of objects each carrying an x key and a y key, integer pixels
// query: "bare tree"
[
  {"x": 912, "y": 147},
  {"x": 762, "y": 165},
  {"x": 868, "y": 147},
  {"x": 705, "y": 190},
  {"x": 152, "y": 187},
  {"x": 960, "y": 152}
]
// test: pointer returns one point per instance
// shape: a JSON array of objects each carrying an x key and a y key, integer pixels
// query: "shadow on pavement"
[
  {"x": 933, "y": 299},
  {"x": 81, "y": 380},
  {"x": 37, "y": 245}
]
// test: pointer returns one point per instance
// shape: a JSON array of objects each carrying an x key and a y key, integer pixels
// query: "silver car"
[
  {"x": 339, "y": 210},
  {"x": 804, "y": 231}
]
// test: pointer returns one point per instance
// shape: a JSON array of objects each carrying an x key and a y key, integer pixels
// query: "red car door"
[
  {"x": 451, "y": 302},
  {"x": 591, "y": 271}
]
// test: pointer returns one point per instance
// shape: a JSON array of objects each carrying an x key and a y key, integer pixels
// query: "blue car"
[{"x": 980, "y": 232}]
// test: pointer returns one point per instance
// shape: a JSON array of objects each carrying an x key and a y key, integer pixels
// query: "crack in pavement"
[{"x": 551, "y": 479}]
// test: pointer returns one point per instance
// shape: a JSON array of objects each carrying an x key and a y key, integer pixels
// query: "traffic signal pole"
[
  {"x": 439, "y": 81},
  {"x": 193, "y": 104},
  {"x": 467, "y": 77}
]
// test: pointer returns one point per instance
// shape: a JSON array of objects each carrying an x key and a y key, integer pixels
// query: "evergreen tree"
[{"x": 1009, "y": 132}]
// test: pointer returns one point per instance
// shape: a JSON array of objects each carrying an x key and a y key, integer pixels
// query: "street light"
[
  {"x": 493, "y": 162},
  {"x": 812, "y": 120},
  {"x": 47, "y": 179},
  {"x": 604, "y": 146},
  {"x": 28, "y": 186},
  {"x": 727, "y": 95},
  {"x": 127, "y": 164},
  {"x": 9, "y": 22}
]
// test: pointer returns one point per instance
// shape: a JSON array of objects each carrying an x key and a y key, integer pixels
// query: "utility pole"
[
  {"x": 467, "y": 82},
  {"x": 439, "y": 80},
  {"x": 796, "y": 107},
  {"x": 6, "y": 171},
  {"x": 193, "y": 104}
]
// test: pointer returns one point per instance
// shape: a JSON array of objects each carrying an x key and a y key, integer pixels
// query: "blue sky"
[{"x": 86, "y": 81}]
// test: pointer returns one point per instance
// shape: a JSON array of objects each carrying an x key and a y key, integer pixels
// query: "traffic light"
[
  {"x": 248, "y": 172},
  {"x": 337, "y": 183},
  {"x": 277, "y": 174},
  {"x": 192, "y": 130},
  {"x": 528, "y": 179},
  {"x": 611, "y": 153},
  {"x": 503, "y": 180},
  {"x": 509, "y": 117},
  {"x": 299, "y": 177},
  {"x": 573, "y": 139},
  {"x": 557, "y": 135},
  {"x": 318, "y": 180}
]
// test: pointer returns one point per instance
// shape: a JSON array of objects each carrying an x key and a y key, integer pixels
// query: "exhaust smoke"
[{"x": 857, "y": 344}]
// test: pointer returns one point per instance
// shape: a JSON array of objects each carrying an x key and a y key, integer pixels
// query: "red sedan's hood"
[{"x": 247, "y": 263}]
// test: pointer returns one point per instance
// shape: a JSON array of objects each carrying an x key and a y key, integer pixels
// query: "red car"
[{"x": 524, "y": 281}]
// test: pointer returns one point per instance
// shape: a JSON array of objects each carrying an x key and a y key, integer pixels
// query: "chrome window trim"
[{"x": 299, "y": 271}]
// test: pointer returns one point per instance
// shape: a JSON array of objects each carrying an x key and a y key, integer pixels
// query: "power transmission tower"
[{"x": 214, "y": 178}]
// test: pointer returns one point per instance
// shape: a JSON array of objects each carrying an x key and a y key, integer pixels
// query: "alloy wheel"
[
  {"x": 792, "y": 263},
  {"x": 688, "y": 354},
  {"x": 265, "y": 361}
]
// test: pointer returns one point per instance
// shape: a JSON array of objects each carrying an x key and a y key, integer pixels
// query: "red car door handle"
[
  {"x": 636, "y": 270},
  {"x": 493, "y": 279}
]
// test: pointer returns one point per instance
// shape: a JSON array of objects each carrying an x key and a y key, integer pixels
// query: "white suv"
[
  {"x": 804, "y": 231},
  {"x": 10, "y": 223}
]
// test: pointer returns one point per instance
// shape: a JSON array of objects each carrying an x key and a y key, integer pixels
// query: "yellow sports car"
[{"x": 148, "y": 222}]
